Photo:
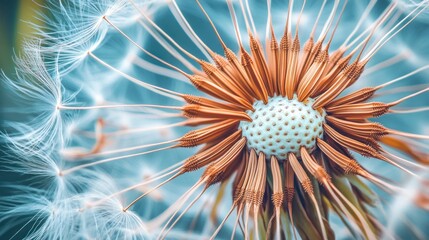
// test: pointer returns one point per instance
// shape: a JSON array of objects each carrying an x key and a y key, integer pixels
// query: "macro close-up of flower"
[{"x": 218, "y": 119}]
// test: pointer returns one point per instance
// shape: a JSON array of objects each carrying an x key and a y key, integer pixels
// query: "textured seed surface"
[{"x": 282, "y": 126}]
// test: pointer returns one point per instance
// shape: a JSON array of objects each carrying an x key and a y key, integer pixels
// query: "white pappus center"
[{"x": 283, "y": 126}]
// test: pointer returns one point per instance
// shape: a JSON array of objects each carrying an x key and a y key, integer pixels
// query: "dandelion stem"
[
  {"x": 252, "y": 22},
  {"x": 177, "y": 13},
  {"x": 362, "y": 19},
  {"x": 168, "y": 47},
  {"x": 144, "y": 129},
  {"x": 212, "y": 24},
  {"x": 180, "y": 202},
  {"x": 406, "y": 161},
  {"x": 153, "y": 88},
  {"x": 402, "y": 89},
  {"x": 386, "y": 63},
  {"x": 386, "y": 13},
  {"x": 62, "y": 107},
  {"x": 159, "y": 175},
  {"x": 246, "y": 20},
  {"x": 408, "y": 97},
  {"x": 269, "y": 21},
  {"x": 129, "y": 149},
  {"x": 394, "y": 30},
  {"x": 410, "y": 135},
  {"x": 142, "y": 49},
  {"x": 409, "y": 110},
  {"x": 329, "y": 21},
  {"x": 163, "y": 33},
  {"x": 234, "y": 22},
  {"x": 73, "y": 169},
  {"x": 403, "y": 77},
  {"x": 151, "y": 190},
  {"x": 184, "y": 212},
  {"x": 237, "y": 219},
  {"x": 222, "y": 223},
  {"x": 163, "y": 71},
  {"x": 313, "y": 31}
]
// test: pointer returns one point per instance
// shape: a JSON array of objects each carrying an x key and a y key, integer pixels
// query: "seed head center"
[{"x": 283, "y": 126}]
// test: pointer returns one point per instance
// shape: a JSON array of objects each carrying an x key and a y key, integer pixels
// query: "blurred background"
[
  {"x": 14, "y": 27},
  {"x": 14, "y": 15}
]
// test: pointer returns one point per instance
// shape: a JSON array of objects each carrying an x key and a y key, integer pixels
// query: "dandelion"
[
  {"x": 281, "y": 125},
  {"x": 50, "y": 218},
  {"x": 35, "y": 86}
]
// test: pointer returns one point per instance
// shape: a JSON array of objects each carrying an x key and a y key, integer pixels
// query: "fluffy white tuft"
[{"x": 37, "y": 93}]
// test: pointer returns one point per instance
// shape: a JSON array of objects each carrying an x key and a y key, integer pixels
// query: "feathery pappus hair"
[{"x": 257, "y": 118}]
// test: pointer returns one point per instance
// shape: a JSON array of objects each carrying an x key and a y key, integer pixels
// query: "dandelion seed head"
[
  {"x": 283, "y": 126},
  {"x": 49, "y": 217},
  {"x": 38, "y": 94},
  {"x": 76, "y": 28},
  {"x": 105, "y": 216},
  {"x": 290, "y": 95}
]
